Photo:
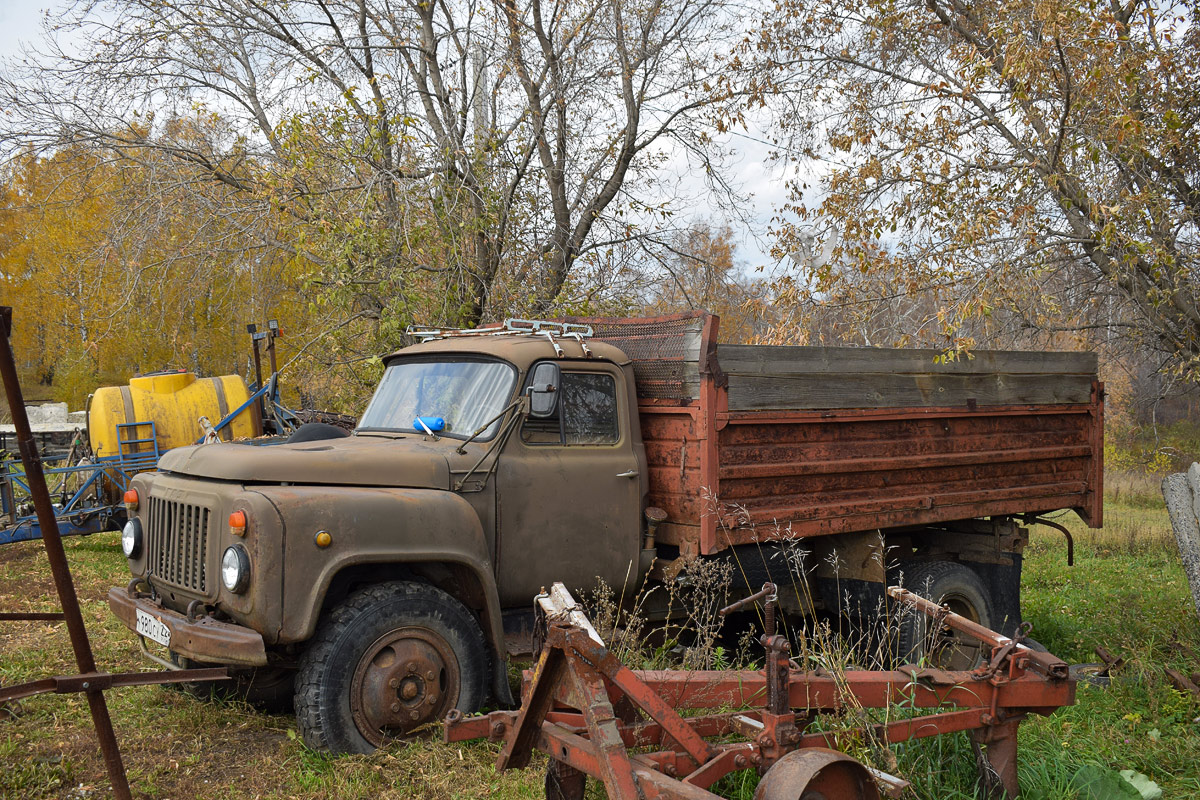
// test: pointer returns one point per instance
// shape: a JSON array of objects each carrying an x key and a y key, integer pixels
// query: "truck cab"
[{"x": 483, "y": 466}]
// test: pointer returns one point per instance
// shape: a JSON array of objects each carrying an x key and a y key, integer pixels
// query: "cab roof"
[{"x": 520, "y": 349}]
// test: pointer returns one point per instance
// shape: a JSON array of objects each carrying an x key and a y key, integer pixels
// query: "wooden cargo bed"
[{"x": 754, "y": 443}]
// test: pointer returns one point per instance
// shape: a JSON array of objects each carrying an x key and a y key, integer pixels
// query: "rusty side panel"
[
  {"x": 1092, "y": 511},
  {"x": 673, "y": 453},
  {"x": 680, "y": 428},
  {"x": 769, "y": 471},
  {"x": 810, "y": 473}
]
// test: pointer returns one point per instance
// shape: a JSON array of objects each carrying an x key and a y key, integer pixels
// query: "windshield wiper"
[
  {"x": 461, "y": 448},
  {"x": 521, "y": 406}
]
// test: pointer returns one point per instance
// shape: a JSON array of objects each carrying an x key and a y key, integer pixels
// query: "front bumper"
[{"x": 201, "y": 639}]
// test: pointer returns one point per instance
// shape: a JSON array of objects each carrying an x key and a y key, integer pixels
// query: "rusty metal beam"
[
  {"x": 625, "y": 680},
  {"x": 616, "y": 769},
  {"x": 32, "y": 616},
  {"x": 583, "y": 755},
  {"x": 823, "y": 692},
  {"x": 99, "y": 681},
  {"x": 65, "y": 585},
  {"x": 1045, "y": 663},
  {"x": 537, "y": 699},
  {"x": 89, "y": 681}
]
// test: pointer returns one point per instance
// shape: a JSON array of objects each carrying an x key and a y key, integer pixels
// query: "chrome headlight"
[
  {"x": 131, "y": 538},
  {"x": 235, "y": 569}
]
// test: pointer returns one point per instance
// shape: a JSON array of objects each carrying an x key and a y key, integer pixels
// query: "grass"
[{"x": 1126, "y": 592}]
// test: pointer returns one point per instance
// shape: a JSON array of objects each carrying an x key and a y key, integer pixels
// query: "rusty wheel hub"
[
  {"x": 956, "y": 650},
  {"x": 408, "y": 677}
]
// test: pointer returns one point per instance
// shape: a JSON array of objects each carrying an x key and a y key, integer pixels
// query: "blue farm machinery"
[{"x": 126, "y": 430}]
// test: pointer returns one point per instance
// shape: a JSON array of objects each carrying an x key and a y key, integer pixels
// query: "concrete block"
[{"x": 1182, "y": 493}]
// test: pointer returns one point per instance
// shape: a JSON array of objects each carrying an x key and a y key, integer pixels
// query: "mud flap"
[{"x": 501, "y": 691}]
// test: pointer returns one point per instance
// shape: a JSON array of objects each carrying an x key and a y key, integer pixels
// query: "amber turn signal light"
[
  {"x": 130, "y": 499},
  {"x": 237, "y": 523},
  {"x": 323, "y": 539}
]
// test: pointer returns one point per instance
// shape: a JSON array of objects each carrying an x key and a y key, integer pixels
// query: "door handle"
[{"x": 629, "y": 473}]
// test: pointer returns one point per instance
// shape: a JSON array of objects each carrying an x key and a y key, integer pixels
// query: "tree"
[
  {"x": 433, "y": 152},
  {"x": 699, "y": 270},
  {"x": 1022, "y": 163},
  {"x": 103, "y": 289}
]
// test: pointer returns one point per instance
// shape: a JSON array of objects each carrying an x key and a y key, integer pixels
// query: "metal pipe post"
[{"x": 252, "y": 329}]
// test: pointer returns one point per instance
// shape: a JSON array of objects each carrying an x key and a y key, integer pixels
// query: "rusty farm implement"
[{"x": 674, "y": 734}]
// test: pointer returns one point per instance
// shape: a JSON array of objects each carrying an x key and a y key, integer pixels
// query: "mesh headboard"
[{"x": 666, "y": 351}]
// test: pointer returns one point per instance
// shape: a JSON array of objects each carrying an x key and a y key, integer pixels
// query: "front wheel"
[{"x": 388, "y": 660}]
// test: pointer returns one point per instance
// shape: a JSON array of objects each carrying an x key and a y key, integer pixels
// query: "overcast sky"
[{"x": 19, "y": 21}]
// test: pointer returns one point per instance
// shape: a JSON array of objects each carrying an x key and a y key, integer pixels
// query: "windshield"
[{"x": 464, "y": 393}]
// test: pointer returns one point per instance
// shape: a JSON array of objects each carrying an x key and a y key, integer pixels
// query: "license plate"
[{"x": 153, "y": 629}]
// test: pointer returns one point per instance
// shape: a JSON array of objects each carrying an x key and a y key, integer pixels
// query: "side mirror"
[{"x": 543, "y": 390}]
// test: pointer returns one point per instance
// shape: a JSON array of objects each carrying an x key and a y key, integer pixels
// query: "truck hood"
[{"x": 352, "y": 461}]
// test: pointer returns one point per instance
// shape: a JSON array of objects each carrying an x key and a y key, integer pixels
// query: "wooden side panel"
[
  {"x": 854, "y": 377},
  {"x": 771, "y": 359},
  {"x": 808, "y": 474},
  {"x": 673, "y": 457}
]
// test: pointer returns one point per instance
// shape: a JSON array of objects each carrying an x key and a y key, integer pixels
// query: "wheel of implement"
[{"x": 815, "y": 773}]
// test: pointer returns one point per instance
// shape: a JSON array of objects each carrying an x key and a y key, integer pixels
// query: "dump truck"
[{"x": 372, "y": 578}]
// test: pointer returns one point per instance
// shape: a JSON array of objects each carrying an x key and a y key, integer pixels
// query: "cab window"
[{"x": 586, "y": 413}]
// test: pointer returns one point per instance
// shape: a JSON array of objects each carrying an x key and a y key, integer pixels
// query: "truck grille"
[{"x": 178, "y": 543}]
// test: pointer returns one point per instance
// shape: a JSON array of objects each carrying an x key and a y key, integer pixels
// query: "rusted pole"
[
  {"x": 57, "y": 557},
  {"x": 252, "y": 329},
  {"x": 1046, "y": 663}
]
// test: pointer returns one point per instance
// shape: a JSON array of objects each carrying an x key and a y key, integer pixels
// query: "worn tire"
[
  {"x": 389, "y": 659},
  {"x": 959, "y": 587},
  {"x": 267, "y": 688}
]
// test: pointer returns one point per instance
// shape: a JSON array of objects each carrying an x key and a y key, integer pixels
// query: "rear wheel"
[
  {"x": 957, "y": 587},
  {"x": 390, "y": 659},
  {"x": 564, "y": 782}
]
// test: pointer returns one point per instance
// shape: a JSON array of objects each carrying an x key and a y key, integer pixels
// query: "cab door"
[{"x": 571, "y": 490}]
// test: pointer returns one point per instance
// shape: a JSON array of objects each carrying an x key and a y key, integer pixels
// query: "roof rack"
[{"x": 510, "y": 327}]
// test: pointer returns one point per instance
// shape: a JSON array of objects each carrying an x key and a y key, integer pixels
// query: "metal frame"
[
  {"x": 284, "y": 416},
  {"x": 510, "y": 327},
  {"x": 90, "y": 681},
  {"x": 80, "y": 515},
  {"x": 578, "y": 698}
]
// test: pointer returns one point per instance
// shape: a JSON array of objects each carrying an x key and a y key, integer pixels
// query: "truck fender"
[{"x": 383, "y": 527}]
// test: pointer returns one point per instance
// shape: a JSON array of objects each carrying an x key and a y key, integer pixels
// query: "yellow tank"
[{"x": 174, "y": 402}]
